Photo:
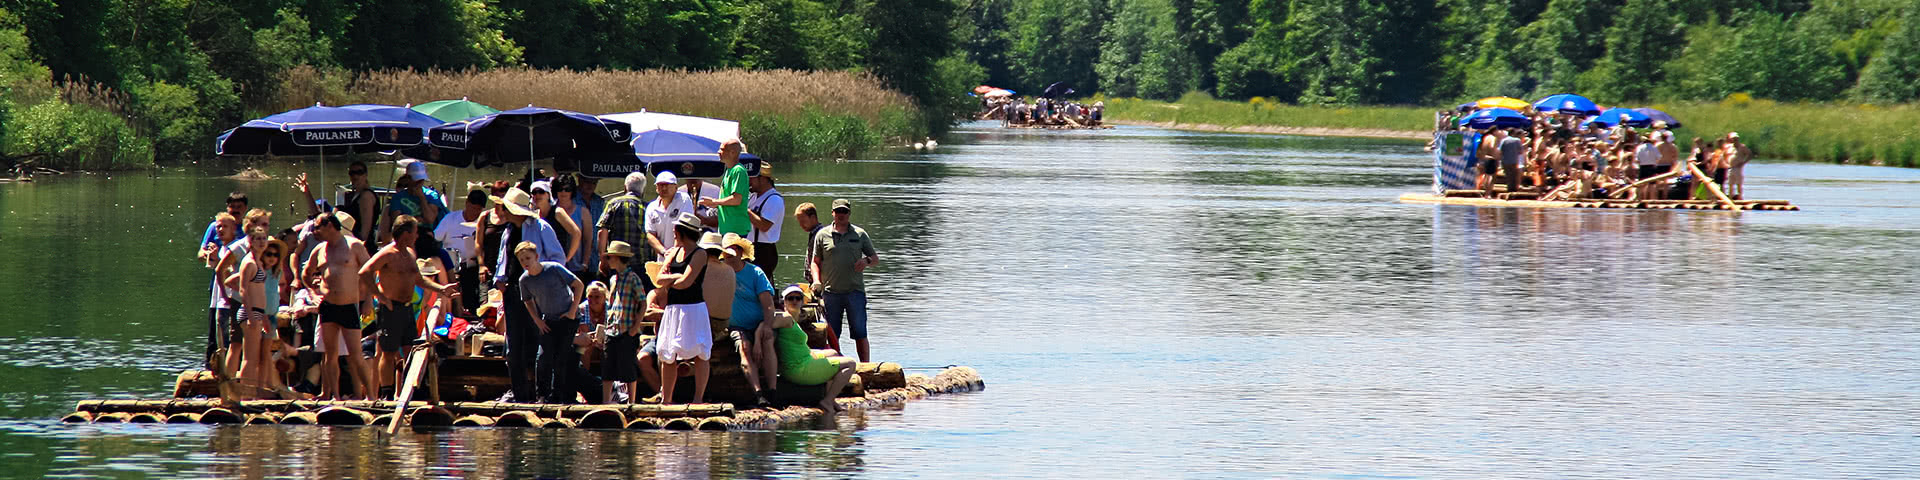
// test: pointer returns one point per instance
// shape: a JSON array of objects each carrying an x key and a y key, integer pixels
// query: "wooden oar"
[{"x": 414, "y": 367}]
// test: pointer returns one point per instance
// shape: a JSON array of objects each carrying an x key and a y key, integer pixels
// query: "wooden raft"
[
  {"x": 712, "y": 417},
  {"x": 1768, "y": 205}
]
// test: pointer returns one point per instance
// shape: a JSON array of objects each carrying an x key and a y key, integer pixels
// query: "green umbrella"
[{"x": 454, "y": 110}]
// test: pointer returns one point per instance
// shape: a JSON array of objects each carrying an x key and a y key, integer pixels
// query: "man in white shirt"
[
  {"x": 664, "y": 210},
  {"x": 767, "y": 209},
  {"x": 457, "y": 236},
  {"x": 1647, "y": 157}
]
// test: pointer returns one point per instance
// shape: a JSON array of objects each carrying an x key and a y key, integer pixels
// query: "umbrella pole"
[{"x": 530, "y": 178}]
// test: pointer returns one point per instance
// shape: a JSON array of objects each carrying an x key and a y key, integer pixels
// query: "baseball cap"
[
  {"x": 842, "y": 204},
  {"x": 665, "y": 178}
]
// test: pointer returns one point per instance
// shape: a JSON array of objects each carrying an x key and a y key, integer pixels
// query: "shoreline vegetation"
[
  {"x": 783, "y": 114},
  {"x": 1826, "y": 132}
]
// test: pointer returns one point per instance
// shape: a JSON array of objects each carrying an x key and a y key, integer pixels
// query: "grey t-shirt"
[
  {"x": 551, "y": 290},
  {"x": 1510, "y": 150}
]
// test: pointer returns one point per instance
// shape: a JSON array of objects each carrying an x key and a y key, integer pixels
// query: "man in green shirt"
[
  {"x": 842, "y": 253},
  {"x": 732, "y": 204}
]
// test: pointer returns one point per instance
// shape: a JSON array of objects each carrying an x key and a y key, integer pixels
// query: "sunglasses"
[
  {"x": 356, "y": 172},
  {"x": 795, "y": 299},
  {"x": 271, "y": 254}
]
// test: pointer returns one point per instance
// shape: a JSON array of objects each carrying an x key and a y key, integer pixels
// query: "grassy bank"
[
  {"x": 1862, "y": 134},
  {"x": 784, "y": 114}
]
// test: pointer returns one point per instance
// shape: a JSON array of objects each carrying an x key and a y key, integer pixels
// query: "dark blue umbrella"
[
  {"x": 1496, "y": 118},
  {"x": 321, "y": 130},
  {"x": 1567, "y": 103},
  {"x": 685, "y": 154},
  {"x": 523, "y": 133},
  {"x": 1659, "y": 116},
  {"x": 1611, "y": 117}
]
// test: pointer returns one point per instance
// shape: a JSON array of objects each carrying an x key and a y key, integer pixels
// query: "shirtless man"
[
  {"x": 337, "y": 262},
  {"x": 396, "y": 272}
]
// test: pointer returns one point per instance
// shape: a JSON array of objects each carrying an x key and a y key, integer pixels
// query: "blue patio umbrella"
[
  {"x": 527, "y": 133},
  {"x": 1567, "y": 103},
  {"x": 1659, "y": 116},
  {"x": 1611, "y": 117},
  {"x": 687, "y": 155},
  {"x": 1496, "y": 118},
  {"x": 321, "y": 130}
]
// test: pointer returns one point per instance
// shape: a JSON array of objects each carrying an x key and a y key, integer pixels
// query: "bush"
[{"x": 68, "y": 136}]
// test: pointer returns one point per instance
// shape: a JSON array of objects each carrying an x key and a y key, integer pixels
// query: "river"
[{"x": 1141, "y": 303}]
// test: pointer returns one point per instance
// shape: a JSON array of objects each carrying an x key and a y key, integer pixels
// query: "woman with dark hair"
[{"x": 686, "y": 334}]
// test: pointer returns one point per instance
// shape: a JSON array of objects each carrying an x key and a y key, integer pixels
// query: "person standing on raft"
[
  {"x": 842, "y": 253},
  {"x": 337, "y": 262},
  {"x": 686, "y": 334}
]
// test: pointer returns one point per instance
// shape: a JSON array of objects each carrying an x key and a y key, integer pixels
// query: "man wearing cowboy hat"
[
  {"x": 752, "y": 305},
  {"x": 768, "y": 210},
  {"x": 515, "y": 207}
]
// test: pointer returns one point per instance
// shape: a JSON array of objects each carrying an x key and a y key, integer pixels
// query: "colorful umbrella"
[
  {"x": 1503, "y": 102},
  {"x": 454, "y": 110},
  {"x": 1567, "y": 103}
]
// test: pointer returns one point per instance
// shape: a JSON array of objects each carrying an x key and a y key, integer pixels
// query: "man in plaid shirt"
[
  {"x": 624, "y": 219},
  {"x": 626, "y": 306}
]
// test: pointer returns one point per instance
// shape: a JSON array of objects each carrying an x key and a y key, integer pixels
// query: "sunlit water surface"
[{"x": 1142, "y": 303}]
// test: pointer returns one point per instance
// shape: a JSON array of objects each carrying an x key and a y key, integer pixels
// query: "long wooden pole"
[
  {"x": 418, "y": 363},
  {"x": 1712, "y": 187},
  {"x": 1655, "y": 178}
]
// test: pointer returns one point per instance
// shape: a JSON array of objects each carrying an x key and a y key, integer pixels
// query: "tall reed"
[{"x": 795, "y": 114}]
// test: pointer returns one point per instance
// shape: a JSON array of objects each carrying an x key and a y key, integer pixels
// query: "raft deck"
[
  {"x": 715, "y": 417},
  {"x": 1478, "y": 201}
]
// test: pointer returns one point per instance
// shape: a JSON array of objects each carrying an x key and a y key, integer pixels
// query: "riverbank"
[
  {"x": 1286, "y": 130},
  {"x": 1853, "y": 134}
]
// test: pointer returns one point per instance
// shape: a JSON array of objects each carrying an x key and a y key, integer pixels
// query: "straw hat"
[
  {"x": 710, "y": 241},
  {"x": 275, "y": 243},
  {"x": 516, "y": 201},
  {"x": 735, "y": 241},
  {"x": 427, "y": 266},
  {"x": 346, "y": 221},
  {"x": 619, "y": 248},
  {"x": 688, "y": 221}
]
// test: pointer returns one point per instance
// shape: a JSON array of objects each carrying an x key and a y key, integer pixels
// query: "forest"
[{"x": 116, "y": 83}]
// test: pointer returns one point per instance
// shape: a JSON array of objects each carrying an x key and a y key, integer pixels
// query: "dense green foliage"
[{"x": 1347, "y": 52}]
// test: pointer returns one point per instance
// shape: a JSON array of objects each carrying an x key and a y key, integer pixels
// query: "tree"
[
  {"x": 1145, "y": 53},
  {"x": 1056, "y": 41},
  {"x": 1643, "y": 36},
  {"x": 1890, "y": 77},
  {"x": 1253, "y": 67},
  {"x": 1332, "y": 49},
  {"x": 1565, "y": 40}
]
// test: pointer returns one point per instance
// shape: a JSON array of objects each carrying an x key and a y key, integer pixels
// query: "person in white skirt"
[{"x": 685, "y": 333}]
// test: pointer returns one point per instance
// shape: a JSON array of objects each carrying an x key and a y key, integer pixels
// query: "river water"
[{"x": 1142, "y": 303}]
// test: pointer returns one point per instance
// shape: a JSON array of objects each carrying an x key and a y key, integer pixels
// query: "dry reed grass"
[{"x": 729, "y": 94}]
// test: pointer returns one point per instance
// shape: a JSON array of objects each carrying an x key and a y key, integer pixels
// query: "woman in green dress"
[{"x": 801, "y": 365}]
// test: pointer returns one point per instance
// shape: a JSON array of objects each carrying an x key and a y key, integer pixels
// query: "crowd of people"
[
  {"x": 560, "y": 270},
  {"x": 1041, "y": 112},
  {"x": 1565, "y": 157}
]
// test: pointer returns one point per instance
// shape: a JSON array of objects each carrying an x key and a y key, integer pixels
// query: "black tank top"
[
  {"x": 689, "y": 295},
  {"x": 553, "y": 218},
  {"x": 352, "y": 207},
  {"x": 490, "y": 244}
]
